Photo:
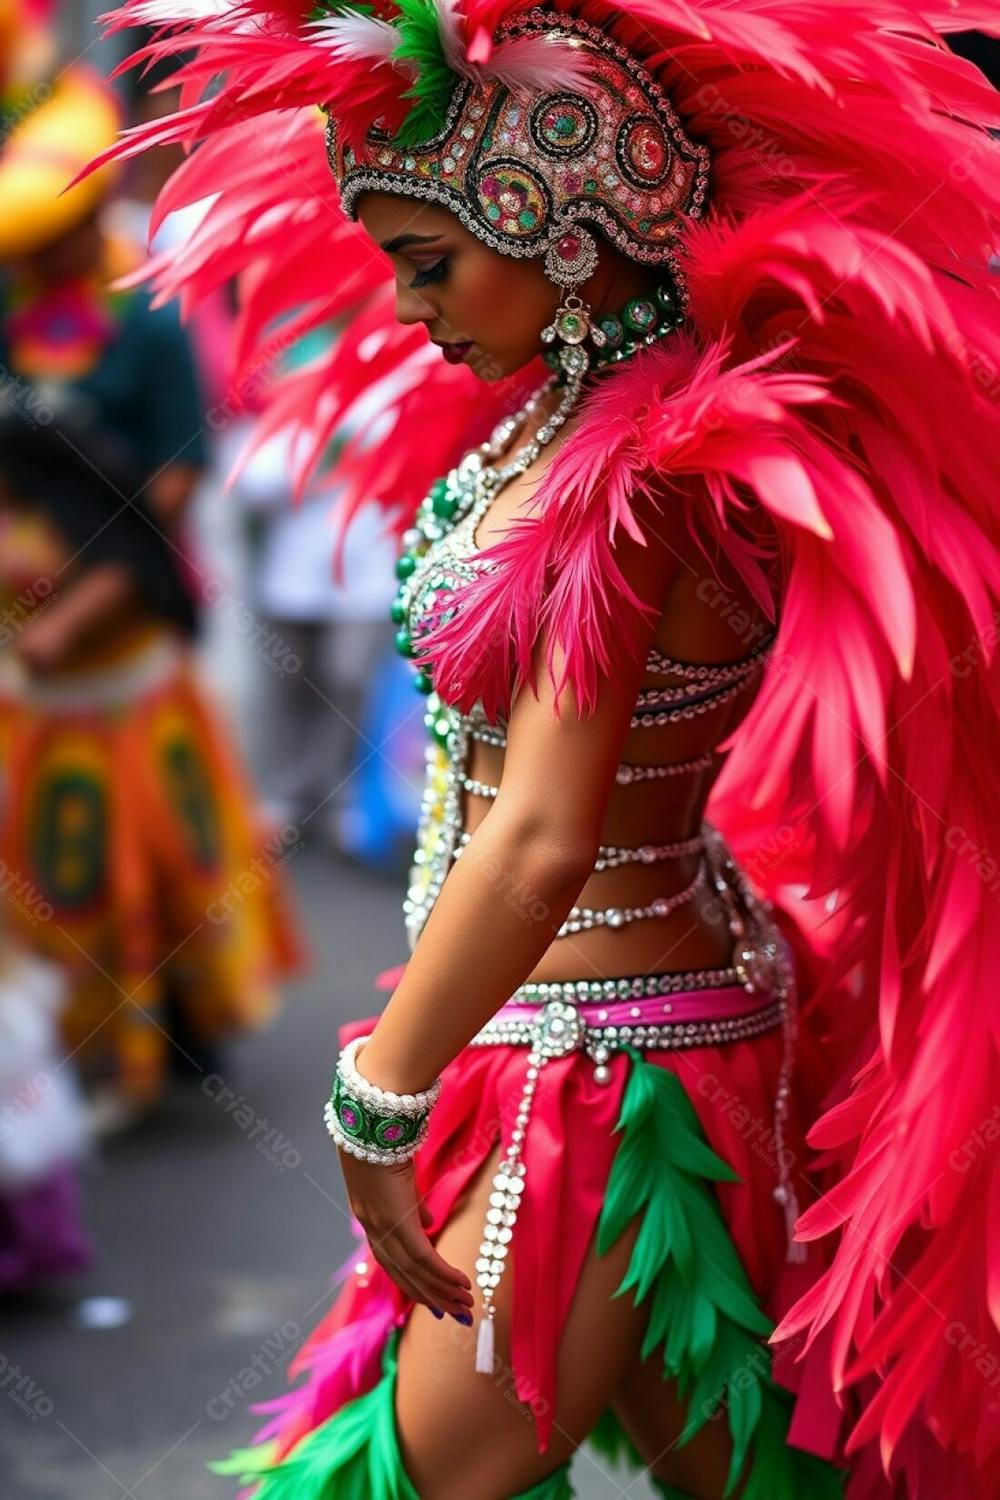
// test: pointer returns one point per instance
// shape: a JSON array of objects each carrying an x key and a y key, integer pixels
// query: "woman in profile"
[{"x": 708, "y": 520}]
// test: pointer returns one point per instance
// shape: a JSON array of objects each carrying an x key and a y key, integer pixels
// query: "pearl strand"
[{"x": 505, "y": 1198}]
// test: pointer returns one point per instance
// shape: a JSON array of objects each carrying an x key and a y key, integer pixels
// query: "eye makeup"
[{"x": 429, "y": 274}]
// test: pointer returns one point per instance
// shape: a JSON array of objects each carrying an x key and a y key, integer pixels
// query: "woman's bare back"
[{"x": 708, "y": 617}]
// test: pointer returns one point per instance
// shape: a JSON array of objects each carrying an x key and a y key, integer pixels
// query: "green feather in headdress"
[{"x": 421, "y": 45}]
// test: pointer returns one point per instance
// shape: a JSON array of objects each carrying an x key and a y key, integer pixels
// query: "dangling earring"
[{"x": 570, "y": 260}]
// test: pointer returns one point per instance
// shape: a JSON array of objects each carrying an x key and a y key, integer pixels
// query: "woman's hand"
[{"x": 384, "y": 1201}]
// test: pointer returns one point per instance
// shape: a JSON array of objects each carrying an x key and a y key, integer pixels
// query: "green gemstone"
[
  {"x": 639, "y": 315},
  {"x": 569, "y": 324},
  {"x": 404, "y": 645},
  {"x": 439, "y": 487},
  {"x": 644, "y": 225},
  {"x": 444, "y": 506},
  {"x": 527, "y": 218},
  {"x": 590, "y": 186},
  {"x": 612, "y": 329},
  {"x": 405, "y": 565},
  {"x": 666, "y": 299},
  {"x": 397, "y": 612},
  {"x": 422, "y": 683}
]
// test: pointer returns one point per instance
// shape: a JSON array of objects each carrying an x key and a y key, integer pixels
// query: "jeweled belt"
[
  {"x": 713, "y": 1008},
  {"x": 556, "y": 1027}
]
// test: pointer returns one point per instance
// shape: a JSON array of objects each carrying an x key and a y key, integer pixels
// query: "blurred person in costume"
[
  {"x": 696, "y": 473},
  {"x": 124, "y": 813},
  {"x": 324, "y": 637}
]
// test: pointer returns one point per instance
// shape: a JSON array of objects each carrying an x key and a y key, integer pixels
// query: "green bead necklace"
[{"x": 615, "y": 336}]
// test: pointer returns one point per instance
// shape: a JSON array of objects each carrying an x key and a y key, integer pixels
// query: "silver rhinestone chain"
[
  {"x": 664, "y": 1036},
  {"x": 625, "y": 775},
  {"x": 640, "y": 986},
  {"x": 688, "y": 711},
  {"x": 709, "y": 674},
  {"x": 651, "y": 697},
  {"x": 610, "y": 856},
  {"x": 585, "y": 918}
]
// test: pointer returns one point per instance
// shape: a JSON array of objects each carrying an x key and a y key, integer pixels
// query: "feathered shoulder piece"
[{"x": 837, "y": 374}]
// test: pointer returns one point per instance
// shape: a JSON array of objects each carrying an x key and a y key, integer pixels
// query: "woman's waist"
[
  {"x": 644, "y": 908},
  {"x": 666, "y": 1012},
  {"x": 691, "y": 937}
]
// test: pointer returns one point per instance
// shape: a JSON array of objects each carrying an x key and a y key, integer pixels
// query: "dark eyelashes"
[{"x": 436, "y": 272}]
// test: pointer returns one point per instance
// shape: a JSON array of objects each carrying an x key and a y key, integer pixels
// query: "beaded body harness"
[{"x": 440, "y": 555}]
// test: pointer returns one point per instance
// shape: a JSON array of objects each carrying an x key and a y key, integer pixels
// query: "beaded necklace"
[{"x": 462, "y": 497}]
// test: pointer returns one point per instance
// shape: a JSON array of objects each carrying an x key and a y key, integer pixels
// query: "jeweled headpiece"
[
  {"x": 518, "y": 162},
  {"x": 526, "y": 137}
]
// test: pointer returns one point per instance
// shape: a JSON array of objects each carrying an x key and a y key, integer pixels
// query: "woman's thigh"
[
  {"x": 654, "y": 1417},
  {"x": 465, "y": 1435}
]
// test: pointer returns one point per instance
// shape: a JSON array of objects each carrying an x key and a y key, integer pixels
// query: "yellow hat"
[
  {"x": 78, "y": 117},
  {"x": 27, "y": 49}
]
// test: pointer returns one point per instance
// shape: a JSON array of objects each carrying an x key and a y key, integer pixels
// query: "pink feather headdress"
[{"x": 840, "y": 370}]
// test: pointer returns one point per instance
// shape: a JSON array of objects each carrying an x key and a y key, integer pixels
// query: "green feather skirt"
[{"x": 703, "y": 1314}]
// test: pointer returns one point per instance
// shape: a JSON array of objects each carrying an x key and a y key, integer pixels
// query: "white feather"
[
  {"x": 175, "y": 12},
  {"x": 542, "y": 63},
  {"x": 357, "y": 37},
  {"x": 452, "y": 45}
]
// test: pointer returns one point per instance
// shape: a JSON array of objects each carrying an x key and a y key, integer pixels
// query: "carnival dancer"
[
  {"x": 745, "y": 524},
  {"x": 130, "y": 851}
]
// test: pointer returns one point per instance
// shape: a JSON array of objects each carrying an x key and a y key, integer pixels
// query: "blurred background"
[{"x": 210, "y": 764}]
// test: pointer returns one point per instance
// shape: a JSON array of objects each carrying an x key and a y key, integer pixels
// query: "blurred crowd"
[{"x": 187, "y": 695}]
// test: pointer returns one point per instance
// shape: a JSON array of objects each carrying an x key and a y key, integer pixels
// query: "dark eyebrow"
[{"x": 400, "y": 241}]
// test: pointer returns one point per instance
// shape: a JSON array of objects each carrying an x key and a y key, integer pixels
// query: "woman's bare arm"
[{"x": 504, "y": 900}]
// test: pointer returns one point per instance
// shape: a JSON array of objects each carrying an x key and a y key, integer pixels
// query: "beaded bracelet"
[{"x": 375, "y": 1124}]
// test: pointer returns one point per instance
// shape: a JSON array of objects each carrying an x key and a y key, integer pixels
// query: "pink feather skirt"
[{"x": 578, "y": 1126}]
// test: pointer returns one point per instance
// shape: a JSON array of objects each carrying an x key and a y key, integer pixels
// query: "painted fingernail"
[
  {"x": 437, "y": 1312},
  {"x": 465, "y": 1318}
]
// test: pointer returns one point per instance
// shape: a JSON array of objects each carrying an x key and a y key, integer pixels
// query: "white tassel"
[{"x": 484, "y": 1347}]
